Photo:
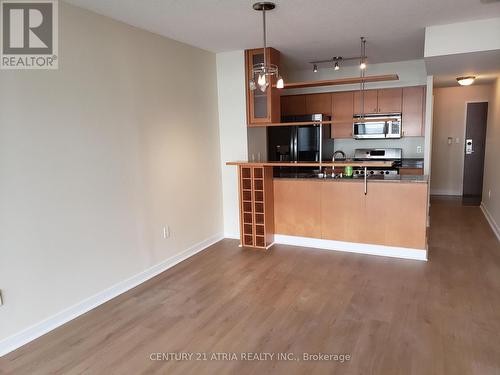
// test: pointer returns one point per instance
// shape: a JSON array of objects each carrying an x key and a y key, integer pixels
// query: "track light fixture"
[{"x": 336, "y": 60}]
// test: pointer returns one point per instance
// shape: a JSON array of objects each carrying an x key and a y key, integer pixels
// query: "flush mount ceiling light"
[
  {"x": 336, "y": 60},
  {"x": 466, "y": 81},
  {"x": 263, "y": 73}
]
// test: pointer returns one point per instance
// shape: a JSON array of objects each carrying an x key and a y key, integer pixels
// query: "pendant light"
[
  {"x": 263, "y": 73},
  {"x": 362, "y": 63}
]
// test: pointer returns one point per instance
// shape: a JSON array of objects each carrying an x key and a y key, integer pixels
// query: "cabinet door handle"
[{"x": 366, "y": 180}]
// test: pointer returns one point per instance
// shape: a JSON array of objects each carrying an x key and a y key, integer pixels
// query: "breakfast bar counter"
[{"x": 383, "y": 215}]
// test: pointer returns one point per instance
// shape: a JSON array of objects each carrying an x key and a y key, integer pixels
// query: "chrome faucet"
[{"x": 338, "y": 152}]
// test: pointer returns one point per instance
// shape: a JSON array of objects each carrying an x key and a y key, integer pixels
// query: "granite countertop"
[
  {"x": 383, "y": 179},
  {"x": 412, "y": 163}
]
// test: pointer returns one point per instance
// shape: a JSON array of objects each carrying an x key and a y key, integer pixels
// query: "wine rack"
[{"x": 256, "y": 206}]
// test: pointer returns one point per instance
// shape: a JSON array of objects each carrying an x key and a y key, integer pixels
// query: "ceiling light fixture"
[
  {"x": 337, "y": 60},
  {"x": 264, "y": 72},
  {"x": 466, "y": 81},
  {"x": 362, "y": 62}
]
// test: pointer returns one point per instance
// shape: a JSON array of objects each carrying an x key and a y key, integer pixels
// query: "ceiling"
[
  {"x": 484, "y": 65},
  {"x": 301, "y": 30}
]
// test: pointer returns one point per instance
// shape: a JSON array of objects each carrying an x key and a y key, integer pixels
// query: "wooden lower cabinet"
[
  {"x": 297, "y": 205},
  {"x": 256, "y": 206},
  {"x": 391, "y": 214},
  {"x": 411, "y": 171}
]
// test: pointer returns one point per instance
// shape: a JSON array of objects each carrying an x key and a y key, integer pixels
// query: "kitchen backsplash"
[{"x": 410, "y": 145}]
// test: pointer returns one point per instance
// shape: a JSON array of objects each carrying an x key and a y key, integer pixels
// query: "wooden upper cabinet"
[
  {"x": 370, "y": 101},
  {"x": 293, "y": 105},
  {"x": 262, "y": 107},
  {"x": 319, "y": 103},
  {"x": 390, "y": 100},
  {"x": 413, "y": 109},
  {"x": 342, "y": 110}
]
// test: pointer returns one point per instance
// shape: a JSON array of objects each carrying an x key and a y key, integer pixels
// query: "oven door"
[{"x": 369, "y": 130}]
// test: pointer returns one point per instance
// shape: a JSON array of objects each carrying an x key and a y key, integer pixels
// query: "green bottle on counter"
[{"x": 348, "y": 171}]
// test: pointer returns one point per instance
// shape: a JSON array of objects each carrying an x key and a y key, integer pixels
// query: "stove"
[{"x": 381, "y": 154}]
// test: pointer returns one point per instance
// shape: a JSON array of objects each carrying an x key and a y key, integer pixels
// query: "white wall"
[
  {"x": 462, "y": 37},
  {"x": 491, "y": 183},
  {"x": 96, "y": 157},
  {"x": 232, "y": 130},
  {"x": 450, "y": 106}
]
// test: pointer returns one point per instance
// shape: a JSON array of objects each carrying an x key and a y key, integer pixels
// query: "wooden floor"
[{"x": 392, "y": 316}]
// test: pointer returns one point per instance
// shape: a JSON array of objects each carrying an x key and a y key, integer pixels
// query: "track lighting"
[{"x": 336, "y": 60}]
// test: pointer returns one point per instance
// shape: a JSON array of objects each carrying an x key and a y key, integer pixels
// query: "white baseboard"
[
  {"x": 493, "y": 224},
  {"x": 233, "y": 236},
  {"x": 445, "y": 192},
  {"x": 353, "y": 247},
  {"x": 17, "y": 340}
]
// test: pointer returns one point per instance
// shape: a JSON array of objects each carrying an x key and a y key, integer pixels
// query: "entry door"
[{"x": 475, "y": 139}]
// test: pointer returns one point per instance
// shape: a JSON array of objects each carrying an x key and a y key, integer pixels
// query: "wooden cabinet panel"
[
  {"x": 262, "y": 107},
  {"x": 341, "y": 131},
  {"x": 319, "y": 103},
  {"x": 389, "y": 100},
  {"x": 292, "y": 105},
  {"x": 371, "y": 102},
  {"x": 411, "y": 171},
  {"x": 342, "y": 110},
  {"x": 297, "y": 207},
  {"x": 349, "y": 215},
  {"x": 413, "y": 111}
]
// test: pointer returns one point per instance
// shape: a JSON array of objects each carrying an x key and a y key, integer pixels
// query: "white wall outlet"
[
  {"x": 450, "y": 140},
  {"x": 457, "y": 140},
  {"x": 419, "y": 149},
  {"x": 166, "y": 231}
]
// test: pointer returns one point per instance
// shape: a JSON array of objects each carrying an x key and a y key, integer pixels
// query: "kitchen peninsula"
[
  {"x": 384, "y": 216},
  {"x": 373, "y": 200}
]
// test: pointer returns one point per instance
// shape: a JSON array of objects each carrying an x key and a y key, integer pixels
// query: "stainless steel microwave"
[{"x": 379, "y": 126}]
